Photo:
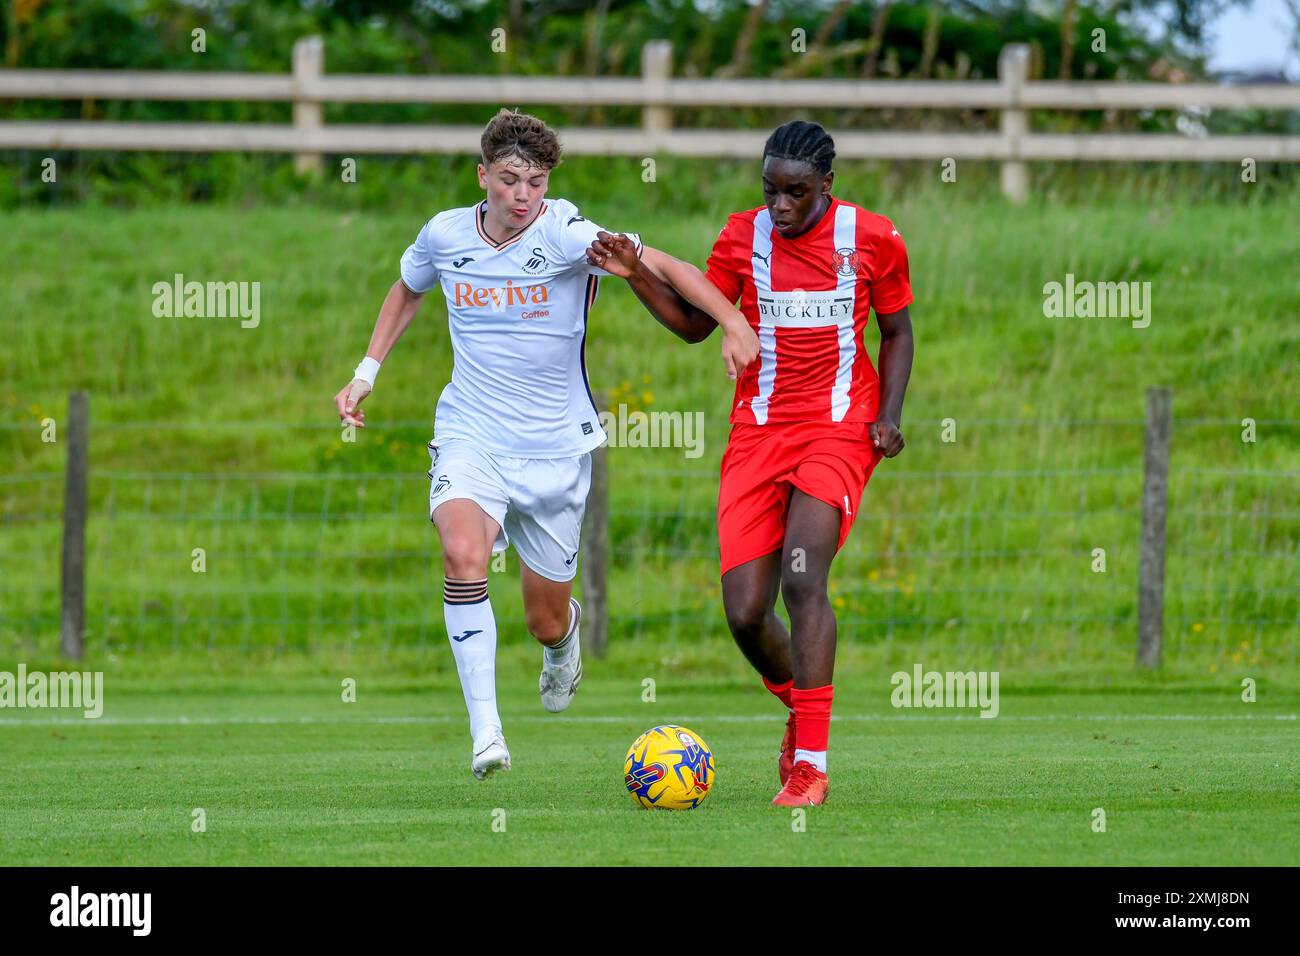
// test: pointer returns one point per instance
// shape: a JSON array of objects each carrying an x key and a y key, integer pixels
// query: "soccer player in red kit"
[{"x": 810, "y": 419}]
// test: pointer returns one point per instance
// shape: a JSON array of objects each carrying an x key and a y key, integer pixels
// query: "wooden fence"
[
  {"x": 596, "y": 549},
  {"x": 657, "y": 93}
]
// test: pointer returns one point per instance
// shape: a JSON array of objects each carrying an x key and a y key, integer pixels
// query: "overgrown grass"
[{"x": 983, "y": 546}]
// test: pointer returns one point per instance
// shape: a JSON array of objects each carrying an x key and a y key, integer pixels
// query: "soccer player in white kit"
[{"x": 514, "y": 428}]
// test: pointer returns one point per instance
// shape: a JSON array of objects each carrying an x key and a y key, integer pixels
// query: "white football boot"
[
  {"x": 491, "y": 756},
  {"x": 559, "y": 681}
]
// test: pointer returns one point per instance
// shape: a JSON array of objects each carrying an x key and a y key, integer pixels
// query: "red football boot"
[
  {"x": 785, "y": 756},
  {"x": 807, "y": 787}
]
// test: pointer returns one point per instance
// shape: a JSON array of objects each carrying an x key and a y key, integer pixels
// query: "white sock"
[
  {"x": 558, "y": 653},
  {"x": 472, "y": 630},
  {"x": 815, "y": 757}
]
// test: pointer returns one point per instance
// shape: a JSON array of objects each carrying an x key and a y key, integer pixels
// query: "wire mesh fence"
[
  {"x": 997, "y": 537},
  {"x": 1034, "y": 551}
]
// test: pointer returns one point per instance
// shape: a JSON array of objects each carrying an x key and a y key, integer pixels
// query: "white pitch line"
[{"x": 184, "y": 721}]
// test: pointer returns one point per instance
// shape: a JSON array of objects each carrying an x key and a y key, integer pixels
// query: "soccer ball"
[{"x": 669, "y": 768}]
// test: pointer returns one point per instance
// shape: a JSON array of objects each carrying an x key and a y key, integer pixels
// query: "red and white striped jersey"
[{"x": 808, "y": 299}]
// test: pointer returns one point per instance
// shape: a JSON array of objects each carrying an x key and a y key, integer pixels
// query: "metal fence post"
[{"x": 1155, "y": 488}]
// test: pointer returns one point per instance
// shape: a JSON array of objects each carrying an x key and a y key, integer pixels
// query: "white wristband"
[{"x": 367, "y": 371}]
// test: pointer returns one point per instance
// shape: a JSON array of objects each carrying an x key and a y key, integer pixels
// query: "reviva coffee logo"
[{"x": 468, "y": 295}]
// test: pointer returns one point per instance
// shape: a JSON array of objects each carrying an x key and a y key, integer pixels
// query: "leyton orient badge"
[{"x": 845, "y": 261}]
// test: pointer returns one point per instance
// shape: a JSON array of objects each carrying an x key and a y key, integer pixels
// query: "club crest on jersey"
[
  {"x": 845, "y": 261},
  {"x": 536, "y": 263}
]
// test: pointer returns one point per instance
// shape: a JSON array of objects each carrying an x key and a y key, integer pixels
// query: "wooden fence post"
[
  {"x": 76, "y": 433},
  {"x": 1013, "y": 72},
  {"x": 308, "y": 115},
  {"x": 1155, "y": 488},
  {"x": 594, "y": 564},
  {"x": 656, "y": 70}
]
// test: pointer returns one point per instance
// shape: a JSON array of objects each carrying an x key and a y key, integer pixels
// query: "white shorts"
[{"x": 536, "y": 502}]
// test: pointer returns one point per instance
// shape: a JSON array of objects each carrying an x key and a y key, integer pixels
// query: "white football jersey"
[{"x": 518, "y": 317}]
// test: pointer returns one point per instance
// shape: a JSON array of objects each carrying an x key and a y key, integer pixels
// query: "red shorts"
[{"x": 830, "y": 461}]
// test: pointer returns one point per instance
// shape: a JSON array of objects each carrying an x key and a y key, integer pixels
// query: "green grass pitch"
[{"x": 1185, "y": 772}]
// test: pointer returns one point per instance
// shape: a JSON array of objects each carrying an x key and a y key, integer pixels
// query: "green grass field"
[
  {"x": 1186, "y": 773},
  {"x": 223, "y": 686}
]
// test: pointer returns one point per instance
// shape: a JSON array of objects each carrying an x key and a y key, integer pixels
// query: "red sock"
[
  {"x": 812, "y": 716},
  {"x": 782, "y": 691}
]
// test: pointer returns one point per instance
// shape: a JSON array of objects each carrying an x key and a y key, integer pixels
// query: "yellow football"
[{"x": 669, "y": 768}]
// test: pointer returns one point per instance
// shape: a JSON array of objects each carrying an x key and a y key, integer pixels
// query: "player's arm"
[
  {"x": 891, "y": 294},
  {"x": 669, "y": 307},
  {"x": 895, "y": 364},
  {"x": 674, "y": 312},
  {"x": 399, "y": 308},
  {"x": 679, "y": 296}
]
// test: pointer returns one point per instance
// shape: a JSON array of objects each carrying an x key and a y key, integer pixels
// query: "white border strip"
[{"x": 774, "y": 718}]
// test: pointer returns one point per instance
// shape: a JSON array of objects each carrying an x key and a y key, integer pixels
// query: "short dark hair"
[
  {"x": 803, "y": 142},
  {"x": 511, "y": 133}
]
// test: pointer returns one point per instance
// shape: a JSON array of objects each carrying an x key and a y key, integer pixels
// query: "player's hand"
[
  {"x": 615, "y": 254},
  {"x": 739, "y": 348},
  {"x": 349, "y": 400},
  {"x": 886, "y": 436}
]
